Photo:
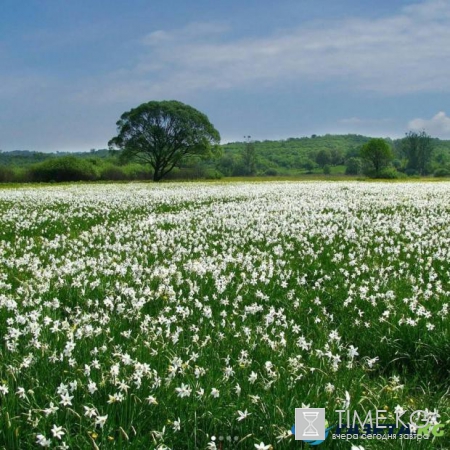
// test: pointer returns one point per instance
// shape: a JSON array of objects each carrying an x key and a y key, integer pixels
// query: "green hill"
[
  {"x": 297, "y": 153},
  {"x": 292, "y": 156},
  {"x": 22, "y": 158}
]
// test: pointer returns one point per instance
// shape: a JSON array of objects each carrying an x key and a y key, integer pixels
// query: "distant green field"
[{"x": 200, "y": 315}]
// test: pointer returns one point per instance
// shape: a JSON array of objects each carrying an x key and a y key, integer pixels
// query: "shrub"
[
  {"x": 6, "y": 175},
  {"x": 411, "y": 172},
  {"x": 442, "y": 172},
  {"x": 21, "y": 175},
  {"x": 185, "y": 173},
  {"x": 67, "y": 168},
  {"x": 137, "y": 172},
  {"x": 213, "y": 174},
  {"x": 390, "y": 173},
  {"x": 353, "y": 166},
  {"x": 271, "y": 172},
  {"x": 309, "y": 165},
  {"x": 397, "y": 164},
  {"x": 113, "y": 173},
  {"x": 327, "y": 169}
]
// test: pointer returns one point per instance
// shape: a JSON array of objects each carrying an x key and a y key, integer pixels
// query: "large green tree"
[
  {"x": 418, "y": 149},
  {"x": 163, "y": 134},
  {"x": 377, "y": 154}
]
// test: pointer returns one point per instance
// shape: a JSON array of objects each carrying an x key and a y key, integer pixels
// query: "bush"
[
  {"x": 6, "y": 175},
  {"x": 137, "y": 172},
  {"x": 390, "y": 173},
  {"x": 185, "y": 173},
  {"x": 67, "y": 168},
  {"x": 21, "y": 175},
  {"x": 397, "y": 164},
  {"x": 213, "y": 174},
  {"x": 353, "y": 166},
  {"x": 271, "y": 172},
  {"x": 309, "y": 165},
  {"x": 327, "y": 169},
  {"x": 411, "y": 172},
  {"x": 113, "y": 173},
  {"x": 442, "y": 172}
]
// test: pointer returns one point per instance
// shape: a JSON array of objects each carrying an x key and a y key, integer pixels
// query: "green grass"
[{"x": 157, "y": 286}]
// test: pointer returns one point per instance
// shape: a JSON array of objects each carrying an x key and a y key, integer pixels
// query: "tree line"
[{"x": 161, "y": 140}]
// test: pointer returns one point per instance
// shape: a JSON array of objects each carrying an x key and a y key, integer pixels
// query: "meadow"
[{"x": 200, "y": 315}]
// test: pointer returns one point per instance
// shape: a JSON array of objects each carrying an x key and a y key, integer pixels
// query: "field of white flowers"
[{"x": 199, "y": 316}]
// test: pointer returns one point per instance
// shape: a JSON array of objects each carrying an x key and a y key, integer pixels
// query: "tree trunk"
[{"x": 157, "y": 174}]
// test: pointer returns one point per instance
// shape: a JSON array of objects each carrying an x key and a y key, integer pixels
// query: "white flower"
[
  {"x": 176, "y": 425},
  {"x": 252, "y": 378},
  {"x": 200, "y": 393},
  {"x": 158, "y": 434},
  {"x": 262, "y": 446},
  {"x": 62, "y": 389},
  {"x": 371, "y": 362},
  {"x": 285, "y": 434},
  {"x": 21, "y": 392},
  {"x": 43, "y": 441},
  {"x": 66, "y": 400},
  {"x": 90, "y": 412},
  {"x": 101, "y": 420},
  {"x": 57, "y": 432},
  {"x": 123, "y": 386},
  {"x": 184, "y": 390},
  {"x": 242, "y": 415},
  {"x": 51, "y": 409},
  {"x": 92, "y": 387},
  {"x": 352, "y": 351},
  {"x": 228, "y": 372},
  {"x": 347, "y": 401},
  {"x": 334, "y": 336},
  {"x": 215, "y": 393}
]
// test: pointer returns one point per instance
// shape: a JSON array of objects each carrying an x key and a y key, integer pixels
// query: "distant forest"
[{"x": 329, "y": 154}]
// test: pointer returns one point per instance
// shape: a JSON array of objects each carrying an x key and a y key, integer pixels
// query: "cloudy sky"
[{"x": 272, "y": 70}]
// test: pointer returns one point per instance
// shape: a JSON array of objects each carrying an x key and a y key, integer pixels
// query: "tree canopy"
[
  {"x": 418, "y": 149},
  {"x": 377, "y": 154},
  {"x": 163, "y": 134}
]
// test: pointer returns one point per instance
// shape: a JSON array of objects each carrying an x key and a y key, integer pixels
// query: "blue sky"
[{"x": 271, "y": 70}]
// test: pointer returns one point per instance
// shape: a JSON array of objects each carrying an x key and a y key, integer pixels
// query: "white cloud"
[
  {"x": 401, "y": 54},
  {"x": 191, "y": 31},
  {"x": 437, "y": 126},
  {"x": 404, "y": 53}
]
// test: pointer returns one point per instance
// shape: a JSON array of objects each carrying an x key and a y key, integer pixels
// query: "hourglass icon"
[
  {"x": 310, "y": 417},
  {"x": 309, "y": 424}
]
